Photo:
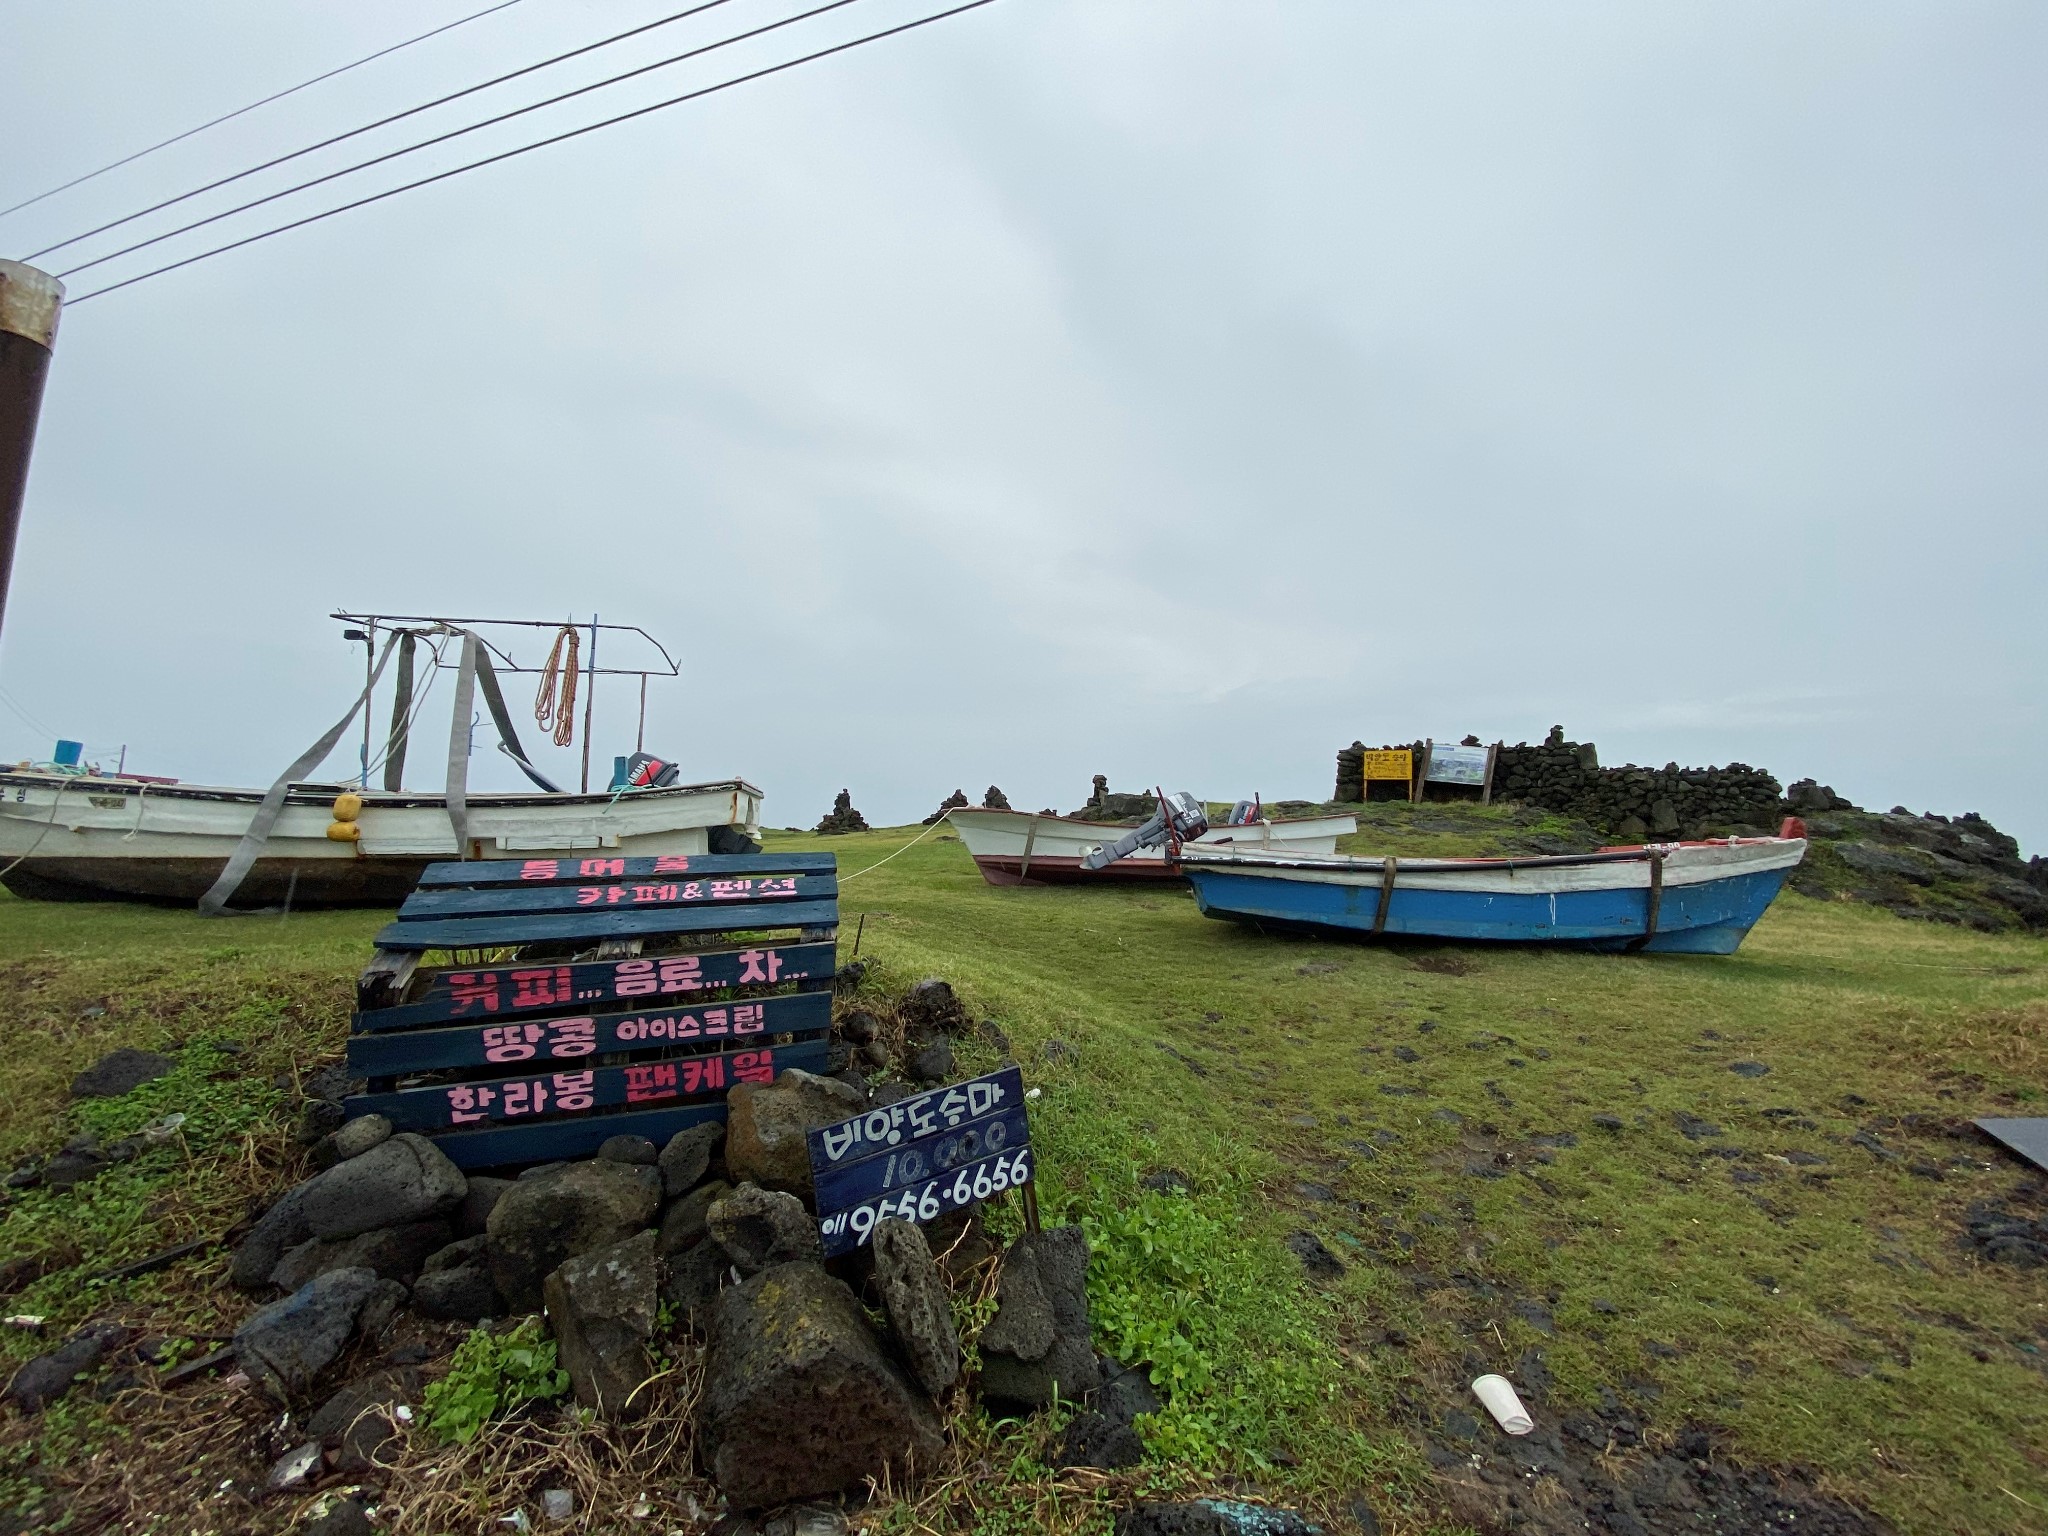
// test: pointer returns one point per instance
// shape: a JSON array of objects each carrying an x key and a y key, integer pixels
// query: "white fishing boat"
[
  {"x": 1016, "y": 848},
  {"x": 71, "y": 833},
  {"x": 93, "y": 838}
]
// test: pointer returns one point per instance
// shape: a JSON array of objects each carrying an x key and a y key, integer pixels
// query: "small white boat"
[
  {"x": 1017, "y": 848},
  {"x": 92, "y": 838}
]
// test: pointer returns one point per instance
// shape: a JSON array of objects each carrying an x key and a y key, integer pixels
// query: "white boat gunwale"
[
  {"x": 320, "y": 792},
  {"x": 1685, "y": 863}
]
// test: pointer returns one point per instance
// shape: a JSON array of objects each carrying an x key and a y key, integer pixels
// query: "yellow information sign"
[{"x": 1390, "y": 765}]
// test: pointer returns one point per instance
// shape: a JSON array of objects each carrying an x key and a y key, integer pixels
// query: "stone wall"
[{"x": 1566, "y": 776}]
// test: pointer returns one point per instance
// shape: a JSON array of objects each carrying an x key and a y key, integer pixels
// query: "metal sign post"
[{"x": 30, "y": 301}]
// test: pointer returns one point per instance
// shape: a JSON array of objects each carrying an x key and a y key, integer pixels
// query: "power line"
[
  {"x": 378, "y": 197},
  {"x": 453, "y": 133},
  {"x": 178, "y": 138},
  {"x": 468, "y": 90}
]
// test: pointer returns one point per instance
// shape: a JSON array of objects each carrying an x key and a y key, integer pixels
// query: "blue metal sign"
[{"x": 920, "y": 1157}]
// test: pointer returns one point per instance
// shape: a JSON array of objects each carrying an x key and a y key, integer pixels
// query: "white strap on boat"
[
  {"x": 401, "y": 715},
  {"x": 508, "y": 738},
  {"x": 214, "y": 902},
  {"x": 1655, "y": 903},
  {"x": 458, "y": 744}
]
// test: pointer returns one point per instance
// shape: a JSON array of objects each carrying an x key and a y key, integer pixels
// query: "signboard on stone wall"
[
  {"x": 1458, "y": 765},
  {"x": 1382, "y": 763}
]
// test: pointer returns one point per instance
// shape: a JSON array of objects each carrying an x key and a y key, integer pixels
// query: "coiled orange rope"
[{"x": 554, "y": 707}]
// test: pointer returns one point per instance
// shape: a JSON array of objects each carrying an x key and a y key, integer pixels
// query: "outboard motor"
[
  {"x": 1179, "y": 819},
  {"x": 643, "y": 770},
  {"x": 1246, "y": 813}
]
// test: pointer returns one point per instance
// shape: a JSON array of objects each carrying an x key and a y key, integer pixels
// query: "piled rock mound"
[
  {"x": 819, "y": 1377},
  {"x": 995, "y": 800},
  {"x": 1936, "y": 868},
  {"x": 956, "y": 801},
  {"x": 842, "y": 817},
  {"x": 1104, "y": 806}
]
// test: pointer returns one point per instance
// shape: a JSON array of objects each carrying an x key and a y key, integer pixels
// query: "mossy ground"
[{"x": 1823, "y": 1313}]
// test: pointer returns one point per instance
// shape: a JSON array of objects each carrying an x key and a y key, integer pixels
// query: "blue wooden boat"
[{"x": 1670, "y": 898}]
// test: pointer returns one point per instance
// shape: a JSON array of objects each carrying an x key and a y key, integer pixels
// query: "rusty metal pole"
[{"x": 29, "y": 303}]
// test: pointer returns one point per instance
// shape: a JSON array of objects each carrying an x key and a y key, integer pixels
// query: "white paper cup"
[{"x": 1498, "y": 1394}]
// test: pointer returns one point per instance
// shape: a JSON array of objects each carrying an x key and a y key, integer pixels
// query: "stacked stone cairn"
[
  {"x": 1104, "y": 806},
  {"x": 713, "y": 1236},
  {"x": 842, "y": 817},
  {"x": 956, "y": 801}
]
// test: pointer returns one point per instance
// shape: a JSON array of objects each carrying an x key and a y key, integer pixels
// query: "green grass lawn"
[{"x": 1823, "y": 1312}]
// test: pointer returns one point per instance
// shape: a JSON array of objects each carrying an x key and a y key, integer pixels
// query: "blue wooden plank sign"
[
  {"x": 491, "y": 992},
  {"x": 920, "y": 1157},
  {"x": 641, "y": 1085},
  {"x": 475, "y": 872},
  {"x": 603, "y": 923},
  {"x": 670, "y": 1024},
  {"x": 671, "y": 892}
]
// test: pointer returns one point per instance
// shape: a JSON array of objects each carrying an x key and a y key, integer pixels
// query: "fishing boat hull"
[
  {"x": 101, "y": 839},
  {"x": 1015, "y": 848},
  {"x": 1682, "y": 898}
]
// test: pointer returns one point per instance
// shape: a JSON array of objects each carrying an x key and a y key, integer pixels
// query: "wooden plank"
[
  {"x": 639, "y": 1085},
  {"x": 489, "y": 993},
  {"x": 385, "y": 978},
  {"x": 666, "y": 1023},
  {"x": 496, "y": 932},
  {"x": 555, "y": 1139},
  {"x": 712, "y": 866},
  {"x": 496, "y": 900}
]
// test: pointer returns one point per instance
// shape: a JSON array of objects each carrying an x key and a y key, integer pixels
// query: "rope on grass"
[{"x": 927, "y": 832}]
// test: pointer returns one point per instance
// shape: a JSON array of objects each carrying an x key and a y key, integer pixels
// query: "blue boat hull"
[{"x": 1708, "y": 918}]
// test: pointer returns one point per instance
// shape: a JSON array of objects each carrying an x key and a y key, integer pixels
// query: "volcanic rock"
[
  {"x": 1037, "y": 1344},
  {"x": 799, "y": 1399},
  {"x": 288, "y": 1343},
  {"x": 572, "y": 1209},
  {"x": 404, "y": 1179},
  {"x": 601, "y": 1306},
  {"x": 46, "y": 1378},
  {"x": 768, "y": 1127},
  {"x": 120, "y": 1071},
  {"x": 686, "y": 1161},
  {"x": 914, "y": 1298},
  {"x": 759, "y": 1228}
]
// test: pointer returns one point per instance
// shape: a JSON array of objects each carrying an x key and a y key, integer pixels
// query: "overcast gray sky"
[{"x": 1172, "y": 391}]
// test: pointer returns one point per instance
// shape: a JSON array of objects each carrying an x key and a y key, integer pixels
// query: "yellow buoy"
[
  {"x": 343, "y": 831},
  {"x": 347, "y": 806}
]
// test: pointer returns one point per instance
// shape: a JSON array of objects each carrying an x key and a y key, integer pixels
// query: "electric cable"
[
  {"x": 426, "y": 106},
  {"x": 510, "y": 154},
  {"x": 454, "y": 133},
  {"x": 178, "y": 138}
]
